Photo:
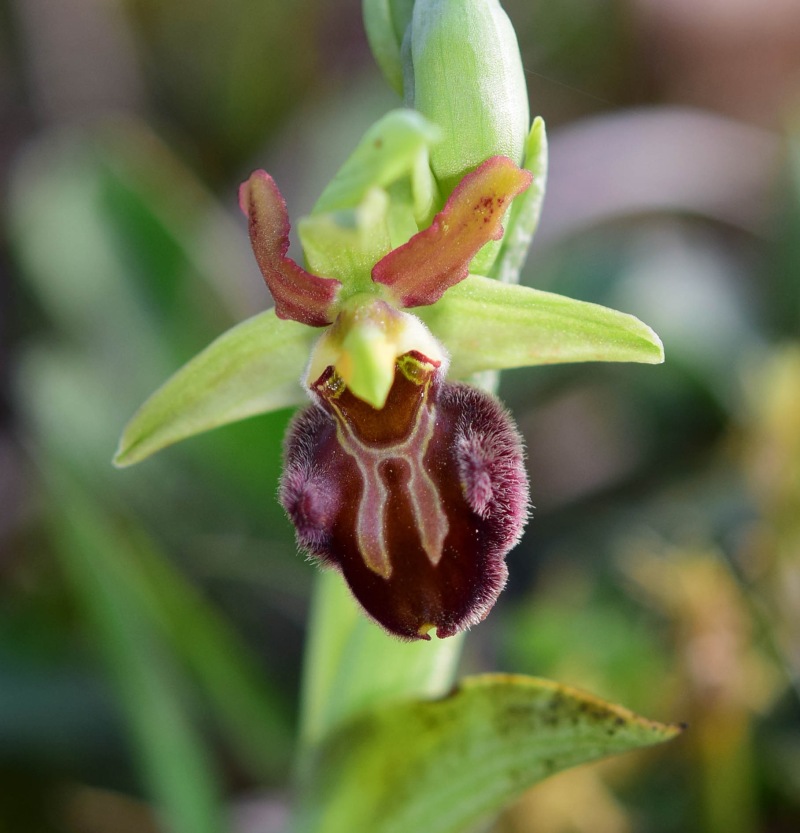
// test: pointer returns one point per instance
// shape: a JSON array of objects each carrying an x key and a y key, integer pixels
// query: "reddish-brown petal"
[
  {"x": 417, "y": 504},
  {"x": 438, "y": 257},
  {"x": 298, "y": 294}
]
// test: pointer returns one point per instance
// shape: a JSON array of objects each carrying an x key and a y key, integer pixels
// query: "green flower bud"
[{"x": 466, "y": 76}]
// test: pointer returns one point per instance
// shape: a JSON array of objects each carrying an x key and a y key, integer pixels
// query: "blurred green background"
[{"x": 152, "y": 619}]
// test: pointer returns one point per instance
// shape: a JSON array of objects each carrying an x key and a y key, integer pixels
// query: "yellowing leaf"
[{"x": 442, "y": 765}]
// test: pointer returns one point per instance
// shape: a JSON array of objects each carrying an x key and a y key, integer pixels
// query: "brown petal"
[
  {"x": 438, "y": 257},
  {"x": 417, "y": 503},
  {"x": 298, "y": 294}
]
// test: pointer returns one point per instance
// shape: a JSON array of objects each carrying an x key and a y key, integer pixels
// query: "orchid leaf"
[
  {"x": 443, "y": 765},
  {"x": 488, "y": 325},
  {"x": 253, "y": 368},
  {"x": 523, "y": 218}
]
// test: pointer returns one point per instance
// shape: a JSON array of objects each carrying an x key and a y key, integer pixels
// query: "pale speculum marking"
[{"x": 430, "y": 519}]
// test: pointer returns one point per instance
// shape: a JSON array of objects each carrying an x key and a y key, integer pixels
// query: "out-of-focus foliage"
[{"x": 661, "y": 566}]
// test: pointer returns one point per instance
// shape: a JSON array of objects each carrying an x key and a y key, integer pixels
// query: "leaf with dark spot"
[{"x": 443, "y": 765}]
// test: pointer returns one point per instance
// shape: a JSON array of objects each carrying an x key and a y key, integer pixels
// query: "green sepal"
[
  {"x": 443, "y": 765},
  {"x": 253, "y": 368},
  {"x": 523, "y": 217},
  {"x": 382, "y": 195},
  {"x": 396, "y": 146},
  {"x": 346, "y": 244},
  {"x": 488, "y": 325}
]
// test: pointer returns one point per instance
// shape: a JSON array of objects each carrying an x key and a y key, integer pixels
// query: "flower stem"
[{"x": 352, "y": 665}]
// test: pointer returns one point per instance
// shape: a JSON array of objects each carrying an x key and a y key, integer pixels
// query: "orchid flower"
[{"x": 407, "y": 480}]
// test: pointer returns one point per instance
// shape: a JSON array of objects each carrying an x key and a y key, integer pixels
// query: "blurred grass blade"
[
  {"x": 250, "y": 712},
  {"x": 490, "y": 325},
  {"x": 134, "y": 241},
  {"x": 443, "y": 765},
  {"x": 251, "y": 369},
  {"x": 173, "y": 757},
  {"x": 523, "y": 218}
]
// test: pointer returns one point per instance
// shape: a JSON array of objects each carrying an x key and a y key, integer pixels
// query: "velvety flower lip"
[
  {"x": 417, "y": 504},
  {"x": 413, "y": 487}
]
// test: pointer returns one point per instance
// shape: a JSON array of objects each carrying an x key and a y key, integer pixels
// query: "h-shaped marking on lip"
[{"x": 426, "y": 505}]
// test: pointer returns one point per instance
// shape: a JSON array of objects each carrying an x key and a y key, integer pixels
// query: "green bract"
[
  {"x": 468, "y": 48},
  {"x": 386, "y": 23}
]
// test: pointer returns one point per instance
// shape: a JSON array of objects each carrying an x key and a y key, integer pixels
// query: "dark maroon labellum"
[{"x": 416, "y": 503}]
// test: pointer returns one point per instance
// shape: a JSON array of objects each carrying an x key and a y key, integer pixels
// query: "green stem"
[{"x": 352, "y": 665}]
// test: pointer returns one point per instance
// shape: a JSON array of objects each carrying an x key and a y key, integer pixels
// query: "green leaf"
[
  {"x": 152, "y": 693},
  {"x": 488, "y": 325},
  {"x": 523, "y": 218},
  {"x": 251, "y": 369},
  {"x": 441, "y": 766}
]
